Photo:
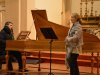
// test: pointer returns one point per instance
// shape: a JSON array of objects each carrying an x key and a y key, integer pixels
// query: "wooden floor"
[
  {"x": 57, "y": 69},
  {"x": 42, "y": 73}
]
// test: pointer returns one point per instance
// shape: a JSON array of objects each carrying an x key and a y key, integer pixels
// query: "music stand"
[{"x": 49, "y": 34}]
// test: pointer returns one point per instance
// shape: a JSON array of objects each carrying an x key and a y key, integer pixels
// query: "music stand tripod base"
[{"x": 49, "y": 34}]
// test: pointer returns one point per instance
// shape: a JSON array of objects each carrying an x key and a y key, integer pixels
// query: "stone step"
[{"x": 59, "y": 57}]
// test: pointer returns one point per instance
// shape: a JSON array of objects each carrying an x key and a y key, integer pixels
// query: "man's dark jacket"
[{"x": 5, "y": 34}]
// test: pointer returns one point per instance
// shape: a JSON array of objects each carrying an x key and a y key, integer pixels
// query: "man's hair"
[{"x": 7, "y": 23}]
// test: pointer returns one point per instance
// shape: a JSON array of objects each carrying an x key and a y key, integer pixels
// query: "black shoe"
[
  {"x": 21, "y": 70},
  {"x": 11, "y": 73},
  {"x": 10, "y": 69},
  {"x": 26, "y": 70}
]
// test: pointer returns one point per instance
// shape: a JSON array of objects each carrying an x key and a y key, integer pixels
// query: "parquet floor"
[{"x": 57, "y": 69}]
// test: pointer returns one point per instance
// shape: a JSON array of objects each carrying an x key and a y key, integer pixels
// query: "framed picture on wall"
[{"x": 23, "y": 35}]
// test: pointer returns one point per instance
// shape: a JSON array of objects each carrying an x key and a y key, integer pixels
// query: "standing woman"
[{"x": 74, "y": 42}]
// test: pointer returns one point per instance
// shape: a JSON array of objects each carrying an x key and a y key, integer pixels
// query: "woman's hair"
[
  {"x": 76, "y": 16},
  {"x": 7, "y": 23}
]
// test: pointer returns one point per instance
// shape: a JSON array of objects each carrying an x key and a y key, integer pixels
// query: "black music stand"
[{"x": 49, "y": 34}]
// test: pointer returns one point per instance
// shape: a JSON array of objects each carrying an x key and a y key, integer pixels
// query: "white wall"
[
  {"x": 23, "y": 15},
  {"x": 30, "y": 22},
  {"x": 76, "y": 7},
  {"x": 2, "y": 14},
  {"x": 53, "y": 8},
  {"x": 19, "y": 12},
  {"x": 12, "y": 13}
]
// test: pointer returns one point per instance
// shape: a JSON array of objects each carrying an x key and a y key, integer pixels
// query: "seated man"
[{"x": 7, "y": 34}]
